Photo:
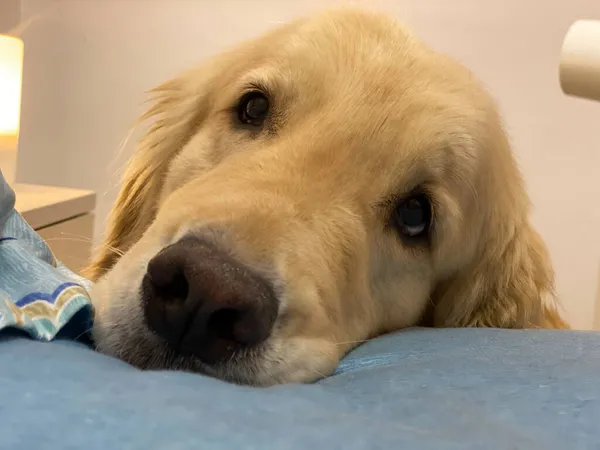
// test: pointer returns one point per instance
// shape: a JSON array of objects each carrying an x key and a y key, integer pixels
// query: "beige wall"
[
  {"x": 10, "y": 13},
  {"x": 597, "y": 315},
  {"x": 88, "y": 63}
]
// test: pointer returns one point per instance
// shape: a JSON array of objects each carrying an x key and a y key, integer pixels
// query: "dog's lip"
[
  {"x": 181, "y": 358},
  {"x": 217, "y": 346}
]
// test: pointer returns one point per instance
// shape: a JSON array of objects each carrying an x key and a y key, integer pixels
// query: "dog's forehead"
[
  {"x": 367, "y": 87},
  {"x": 356, "y": 57},
  {"x": 347, "y": 46}
]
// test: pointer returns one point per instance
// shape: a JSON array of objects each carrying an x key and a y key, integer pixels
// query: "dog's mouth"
[
  {"x": 148, "y": 351},
  {"x": 197, "y": 308},
  {"x": 202, "y": 311}
]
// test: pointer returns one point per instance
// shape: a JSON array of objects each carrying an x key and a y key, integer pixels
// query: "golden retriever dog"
[{"x": 328, "y": 182}]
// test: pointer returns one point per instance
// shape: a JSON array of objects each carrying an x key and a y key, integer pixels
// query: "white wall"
[{"x": 89, "y": 62}]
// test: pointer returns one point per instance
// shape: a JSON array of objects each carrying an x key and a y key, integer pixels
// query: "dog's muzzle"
[{"x": 204, "y": 303}]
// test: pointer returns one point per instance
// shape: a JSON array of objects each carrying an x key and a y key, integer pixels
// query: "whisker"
[
  {"x": 322, "y": 375},
  {"x": 362, "y": 341},
  {"x": 82, "y": 333},
  {"x": 86, "y": 240}
]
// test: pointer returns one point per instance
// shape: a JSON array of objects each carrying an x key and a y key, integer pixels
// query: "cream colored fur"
[{"x": 364, "y": 113}]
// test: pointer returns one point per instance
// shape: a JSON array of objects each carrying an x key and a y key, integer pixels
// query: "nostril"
[
  {"x": 177, "y": 289},
  {"x": 222, "y": 323},
  {"x": 168, "y": 279}
]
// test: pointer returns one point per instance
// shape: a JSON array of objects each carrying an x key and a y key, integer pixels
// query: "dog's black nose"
[{"x": 204, "y": 303}]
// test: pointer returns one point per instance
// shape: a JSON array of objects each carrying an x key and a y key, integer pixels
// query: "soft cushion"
[{"x": 416, "y": 389}]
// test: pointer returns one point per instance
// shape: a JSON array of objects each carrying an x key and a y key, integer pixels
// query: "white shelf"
[{"x": 42, "y": 206}]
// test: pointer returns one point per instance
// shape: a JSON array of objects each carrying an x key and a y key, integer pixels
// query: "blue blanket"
[
  {"x": 38, "y": 295},
  {"x": 416, "y": 389}
]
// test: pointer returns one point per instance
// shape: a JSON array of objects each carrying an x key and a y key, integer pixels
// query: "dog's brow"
[{"x": 263, "y": 78}]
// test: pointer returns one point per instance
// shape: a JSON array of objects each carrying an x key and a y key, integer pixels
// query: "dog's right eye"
[
  {"x": 413, "y": 216},
  {"x": 253, "y": 108}
]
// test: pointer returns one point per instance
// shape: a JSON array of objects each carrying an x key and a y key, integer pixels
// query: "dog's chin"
[
  {"x": 259, "y": 366},
  {"x": 149, "y": 352},
  {"x": 275, "y": 361}
]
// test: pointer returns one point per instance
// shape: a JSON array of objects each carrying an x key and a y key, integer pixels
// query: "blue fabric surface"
[
  {"x": 416, "y": 389},
  {"x": 37, "y": 293}
]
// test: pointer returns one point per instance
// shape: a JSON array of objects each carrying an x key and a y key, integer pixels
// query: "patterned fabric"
[{"x": 38, "y": 295}]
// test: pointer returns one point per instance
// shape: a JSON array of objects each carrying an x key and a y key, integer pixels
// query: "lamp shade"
[{"x": 11, "y": 72}]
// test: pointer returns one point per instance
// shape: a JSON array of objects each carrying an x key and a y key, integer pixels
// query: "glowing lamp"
[{"x": 11, "y": 73}]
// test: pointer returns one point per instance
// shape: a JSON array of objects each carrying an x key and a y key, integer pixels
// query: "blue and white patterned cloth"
[{"x": 38, "y": 294}]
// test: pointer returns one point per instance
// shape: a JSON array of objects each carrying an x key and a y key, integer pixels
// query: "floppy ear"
[
  {"x": 508, "y": 281},
  {"x": 511, "y": 286},
  {"x": 176, "y": 112}
]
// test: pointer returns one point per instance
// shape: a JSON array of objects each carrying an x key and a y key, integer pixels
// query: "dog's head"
[{"x": 326, "y": 183}]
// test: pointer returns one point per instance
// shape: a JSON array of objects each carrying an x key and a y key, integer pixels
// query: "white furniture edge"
[{"x": 42, "y": 206}]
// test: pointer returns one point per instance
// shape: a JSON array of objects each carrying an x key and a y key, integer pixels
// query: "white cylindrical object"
[{"x": 580, "y": 60}]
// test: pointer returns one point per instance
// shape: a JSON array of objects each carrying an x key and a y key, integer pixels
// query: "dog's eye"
[
  {"x": 253, "y": 108},
  {"x": 413, "y": 215}
]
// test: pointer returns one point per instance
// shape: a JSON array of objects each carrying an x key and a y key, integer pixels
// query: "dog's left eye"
[
  {"x": 413, "y": 215},
  {"x": 253, "y": 108}
]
